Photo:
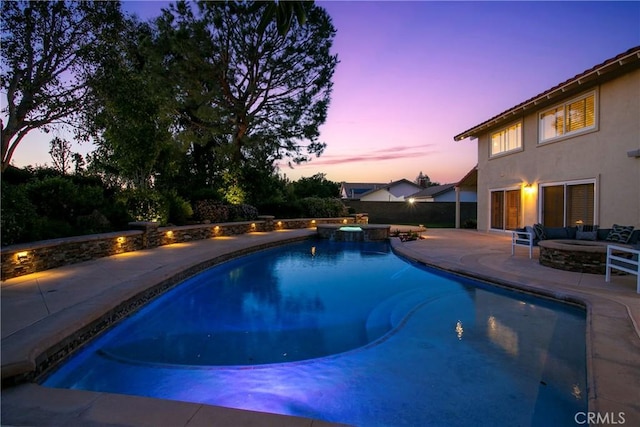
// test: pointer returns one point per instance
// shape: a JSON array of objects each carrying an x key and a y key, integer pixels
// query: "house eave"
[{"x": 600, "y": 73}]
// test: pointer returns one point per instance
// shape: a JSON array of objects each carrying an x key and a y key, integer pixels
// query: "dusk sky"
[{"x": 414, "y": 74}]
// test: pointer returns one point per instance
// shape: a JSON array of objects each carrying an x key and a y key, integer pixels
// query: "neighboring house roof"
[
  {"x": 607, "y": 70},
  {"x": 434, "y": 191},
  {"x": 470, "y": 180},
  {"x": 389, "y": 187},
  {"x": 356, "y": 189}
]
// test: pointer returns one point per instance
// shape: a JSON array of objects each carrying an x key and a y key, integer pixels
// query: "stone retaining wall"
[{"x": 18, "y": 260}]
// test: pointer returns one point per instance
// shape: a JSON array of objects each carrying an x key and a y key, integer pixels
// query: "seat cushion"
[
  {"x": 539, "y": 231},
  {"x": 587, "y": 232}
]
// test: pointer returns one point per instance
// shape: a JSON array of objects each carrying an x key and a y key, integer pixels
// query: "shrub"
[
  {"x": 179, "y": 209},
  {"x": 17, "y": 214},
  {"x": 316, "y": 207},
  {"x": 117, "y": 214},
  {"x": 290, "y": 209},
  {"x": 54, "y": 197},
  {"x": 210, "y": 210},
  {"x": 95, "y": 222},
  {"x": 144, "y": 205},
  {"x": 242, "y": 212},
  {"x": 50, "y": 228}
]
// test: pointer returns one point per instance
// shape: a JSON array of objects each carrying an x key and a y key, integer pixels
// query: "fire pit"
[{"x": 584, "y": 256}]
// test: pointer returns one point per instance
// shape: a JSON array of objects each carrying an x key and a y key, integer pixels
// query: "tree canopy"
[
  {"x": 48, "y": 49},
  {"x": 200, "y": 104},
  {"x": 252, "y": 95},
  {"x": 200, "y": 98}
]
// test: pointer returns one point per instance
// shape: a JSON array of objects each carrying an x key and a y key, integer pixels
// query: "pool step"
[{"x": 390, "y": 312}]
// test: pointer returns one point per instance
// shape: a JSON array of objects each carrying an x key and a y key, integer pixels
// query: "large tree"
[
  {"x": 48, "y": 49},
  {"x": 131, "y": 119},
  {"x": 246, "y": 95}
]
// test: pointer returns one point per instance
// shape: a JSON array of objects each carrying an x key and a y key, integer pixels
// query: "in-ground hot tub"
[
  {"x": 354, "y": 233},
  {"x": 584, "y": 256}
]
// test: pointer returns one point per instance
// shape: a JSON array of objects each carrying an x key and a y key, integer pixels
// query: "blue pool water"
[{"x": 346, "y": 332}]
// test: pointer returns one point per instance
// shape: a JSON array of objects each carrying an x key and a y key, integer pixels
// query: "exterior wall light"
[
  {"x": 120, "y": 239},
  {"x": 22, "y": 256},
  {"x": 529, "y": 188},
  {"x": 169, "y": 234}
]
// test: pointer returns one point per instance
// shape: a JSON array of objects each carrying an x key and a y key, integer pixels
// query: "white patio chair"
[
  {"x": 521, "y": 238},
  {"x": 628, "y": 265}
]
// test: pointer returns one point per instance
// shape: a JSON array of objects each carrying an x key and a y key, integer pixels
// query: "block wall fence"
[{"x": 21, "y": 259}]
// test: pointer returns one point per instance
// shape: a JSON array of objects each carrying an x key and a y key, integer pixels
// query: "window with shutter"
[{"x": 573, "y": 117}]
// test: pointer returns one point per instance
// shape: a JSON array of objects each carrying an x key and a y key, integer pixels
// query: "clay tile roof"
[{"x": 610, "y": 68}]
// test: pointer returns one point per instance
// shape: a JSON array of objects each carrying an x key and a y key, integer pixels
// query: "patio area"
[{"x": 42, "y": 309}]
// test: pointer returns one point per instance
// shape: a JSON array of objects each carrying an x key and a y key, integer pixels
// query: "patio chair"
[
  {"x": 623, "y": 259},
  {"x": 522, "y": 238}
]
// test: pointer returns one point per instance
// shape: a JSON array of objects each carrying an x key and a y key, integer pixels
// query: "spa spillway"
[{"x": 354, "y": 233}]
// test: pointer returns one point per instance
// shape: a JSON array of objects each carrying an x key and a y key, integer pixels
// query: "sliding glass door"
[
  {"x": 506, "y": 210},
  {"x": 568, "y": 204}
]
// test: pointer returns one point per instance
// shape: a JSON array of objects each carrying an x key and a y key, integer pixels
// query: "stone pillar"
[
  {"x": 268, "y": 222},
  {"x": 150, "y": 236}
]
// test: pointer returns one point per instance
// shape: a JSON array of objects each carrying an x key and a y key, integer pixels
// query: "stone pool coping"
[{"x": 612, "y": 337}]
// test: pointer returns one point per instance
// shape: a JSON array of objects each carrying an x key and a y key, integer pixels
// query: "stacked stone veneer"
[
  {"x": 590, "y": 258},
  {"x": 574, "y": 260},
  {"x": 18, "y": 260}
]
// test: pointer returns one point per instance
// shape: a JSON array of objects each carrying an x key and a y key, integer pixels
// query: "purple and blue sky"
[{"x": 414, "y": 74}]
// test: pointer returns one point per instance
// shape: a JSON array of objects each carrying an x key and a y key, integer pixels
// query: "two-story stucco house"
[{"x": 570, "y": 155}]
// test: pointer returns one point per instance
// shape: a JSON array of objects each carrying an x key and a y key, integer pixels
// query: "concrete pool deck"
[{"x": 41, "y": 309}]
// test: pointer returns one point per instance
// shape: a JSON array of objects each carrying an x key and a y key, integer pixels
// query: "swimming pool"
[{"x": 346, "y": 332}]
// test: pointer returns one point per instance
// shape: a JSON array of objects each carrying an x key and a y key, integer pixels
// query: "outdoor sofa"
[{"x": 531, "y": 236}]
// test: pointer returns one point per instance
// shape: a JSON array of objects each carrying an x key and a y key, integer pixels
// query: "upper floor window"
[
  {"x": 573, "y": 117},
  {"x": 507, "y": 139}
]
